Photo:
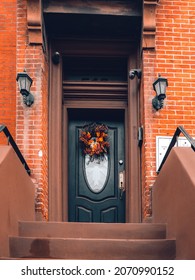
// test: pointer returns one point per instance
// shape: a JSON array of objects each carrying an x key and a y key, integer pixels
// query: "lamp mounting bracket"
[{"x": 135, "y": 72}]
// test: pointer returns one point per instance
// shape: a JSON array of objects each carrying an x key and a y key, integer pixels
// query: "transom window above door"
[{"x": 95, "y": 69}]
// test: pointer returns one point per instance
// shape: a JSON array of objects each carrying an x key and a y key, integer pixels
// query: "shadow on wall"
[
  {"x": 17, "y": 197},
  {"x": 174, "y": 200}
]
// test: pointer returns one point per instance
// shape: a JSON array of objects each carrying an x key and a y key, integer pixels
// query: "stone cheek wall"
[{"x": 174, "y": 58}]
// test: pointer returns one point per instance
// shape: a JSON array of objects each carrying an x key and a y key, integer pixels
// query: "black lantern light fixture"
[
  {"x": 24, "y": 83},
  {"x": 159, "y": 86}
]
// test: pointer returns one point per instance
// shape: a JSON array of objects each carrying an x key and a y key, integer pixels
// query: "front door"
[{"x": 96, "y": 186}]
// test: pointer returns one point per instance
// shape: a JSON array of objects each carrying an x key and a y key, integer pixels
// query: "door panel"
[{"x": 102, "y": 201}]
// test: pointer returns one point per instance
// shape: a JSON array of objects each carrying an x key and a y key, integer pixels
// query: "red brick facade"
[
  {"x": 8, "y": 66},
  {"x": 32, "y": 123},
  {"x": 173, "y": 57}
]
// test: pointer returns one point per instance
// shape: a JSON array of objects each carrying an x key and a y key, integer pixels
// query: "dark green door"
[{"x": 94, "y": 193}]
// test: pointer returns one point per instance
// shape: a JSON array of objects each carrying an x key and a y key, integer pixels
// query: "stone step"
[
  {"x": 100, "y": 249},
  {"x": 93, "y": 230}
]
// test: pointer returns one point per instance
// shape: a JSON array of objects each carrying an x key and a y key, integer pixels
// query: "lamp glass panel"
[
  {"x": 28, "y": 84},
  {"x": 22, "y": 83},
  {"x": 157, "y": 88},
  {"x": 163, "y": 86}
]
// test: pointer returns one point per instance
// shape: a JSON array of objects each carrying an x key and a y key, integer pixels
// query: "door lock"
[{"x": 121, "y": 183}]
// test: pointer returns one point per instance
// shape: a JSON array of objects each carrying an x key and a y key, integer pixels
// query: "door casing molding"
[{"x": 58, "y": 123}]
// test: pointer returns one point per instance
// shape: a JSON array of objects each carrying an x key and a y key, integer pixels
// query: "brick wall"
[
  {"x": 173, "y": 58},
  {"x": 32, "y": 122},
  {"x": 29, "y": 126},
  {"x": 8, "y": 66}
]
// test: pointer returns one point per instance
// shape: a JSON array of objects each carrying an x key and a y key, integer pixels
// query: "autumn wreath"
[{"x": 94, "y": 141}]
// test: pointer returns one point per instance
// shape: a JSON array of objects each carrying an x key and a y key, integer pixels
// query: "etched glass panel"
[{"x": 96, "y": 172}]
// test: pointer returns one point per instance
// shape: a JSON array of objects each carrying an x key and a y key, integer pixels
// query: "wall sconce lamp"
[
  {"x": 135, "y": 72},
  {"x": 24, "y": 83},
  {"x": 159, "y": 86}
]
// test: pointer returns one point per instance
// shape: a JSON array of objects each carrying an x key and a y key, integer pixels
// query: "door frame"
[
  {"x": 58, "y": 123},
  {"x": 119, "y": 116}
]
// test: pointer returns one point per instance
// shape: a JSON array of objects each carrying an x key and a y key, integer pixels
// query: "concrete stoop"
[{"x": 59, "y": 240}]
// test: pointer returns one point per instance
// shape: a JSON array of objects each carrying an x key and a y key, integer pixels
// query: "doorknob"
[{"x": 122, "y": 183}]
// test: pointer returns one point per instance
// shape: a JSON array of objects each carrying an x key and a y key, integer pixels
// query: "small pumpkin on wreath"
[{"x": 94, "y": 140}]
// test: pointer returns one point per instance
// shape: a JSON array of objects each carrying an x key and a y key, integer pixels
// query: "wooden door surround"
[{"x": 58, "y": 124}]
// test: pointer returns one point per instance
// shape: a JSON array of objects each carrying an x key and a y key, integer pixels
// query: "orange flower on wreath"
[{"x": 94, "y": 140}]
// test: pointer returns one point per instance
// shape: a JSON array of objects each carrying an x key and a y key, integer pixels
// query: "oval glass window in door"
[{"x": 96, "y": 173}]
